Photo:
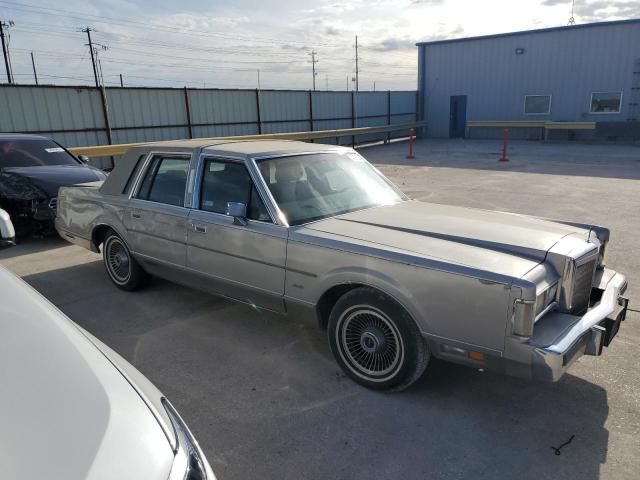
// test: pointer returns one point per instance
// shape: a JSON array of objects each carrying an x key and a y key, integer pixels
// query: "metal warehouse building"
[{"x": 587, "y": 73}]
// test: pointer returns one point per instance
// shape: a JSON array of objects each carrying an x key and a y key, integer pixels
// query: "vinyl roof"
[
  {"x": 272, "y": 147},
  {"x": 540, "y": 30},
  {"x": 252, "y": 148}
]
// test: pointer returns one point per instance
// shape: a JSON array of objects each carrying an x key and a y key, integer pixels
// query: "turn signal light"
[{"x": 476, "y": 356}]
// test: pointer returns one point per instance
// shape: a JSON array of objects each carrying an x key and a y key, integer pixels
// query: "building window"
[
  {"x": 606, "y": 102},
  {"x": 537, "y": 104}
]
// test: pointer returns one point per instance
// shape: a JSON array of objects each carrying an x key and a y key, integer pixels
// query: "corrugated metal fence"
[{"x": 75, "y": 116}]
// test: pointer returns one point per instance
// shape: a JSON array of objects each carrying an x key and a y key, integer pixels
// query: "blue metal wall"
[
  {"x": 568, "y": 63},
  {"x": 74, "y": 115}
]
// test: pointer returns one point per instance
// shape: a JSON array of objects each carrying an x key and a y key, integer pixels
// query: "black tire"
[
  {"x": 375, "y": 341},
  {"x": 123, "y": 270}
]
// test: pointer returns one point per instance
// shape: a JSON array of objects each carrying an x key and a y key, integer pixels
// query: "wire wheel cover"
[
  {"x": 118, "y": 261},
  {"x": 370, "y": 343}
]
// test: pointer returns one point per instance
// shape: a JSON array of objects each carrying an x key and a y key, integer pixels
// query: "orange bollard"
[
  {"x": 505, "y": 144},
  {"x": 412, "y": 137}
]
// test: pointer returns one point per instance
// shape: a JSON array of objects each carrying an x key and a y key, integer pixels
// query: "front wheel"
[
  {"x": 122, "y": 268},
  {"x": 375, "y": 341}
]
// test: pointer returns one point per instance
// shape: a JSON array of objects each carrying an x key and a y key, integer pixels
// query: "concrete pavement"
[{"x": 266, "y": 400}]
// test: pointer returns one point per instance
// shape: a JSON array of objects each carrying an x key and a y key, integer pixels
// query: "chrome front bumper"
[{"x": 559, "y": 338}]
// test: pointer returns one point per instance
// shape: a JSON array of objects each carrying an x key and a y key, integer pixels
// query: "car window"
[
  {"x": 165, "y": 180},
  {"x": 33, "y": 153},
  {"x": 224, "y": 182},
  {"x": 311, "y": 187},
  {"x": 134, "y": 174}
]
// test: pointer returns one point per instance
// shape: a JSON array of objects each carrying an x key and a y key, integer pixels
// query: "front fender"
[{"x": 444, "y": 304}]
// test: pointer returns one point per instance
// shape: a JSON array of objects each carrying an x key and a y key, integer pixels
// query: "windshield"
[
  {"x": 311, "y": 187},
  {"x": 33, "y": 153}
]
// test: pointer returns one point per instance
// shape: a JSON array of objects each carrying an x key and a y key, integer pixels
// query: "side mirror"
[
  {"x": 83, "y": 158},
  {"x": 238, "y": 211}
]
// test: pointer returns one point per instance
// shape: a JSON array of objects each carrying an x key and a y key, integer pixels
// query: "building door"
[{"x": 457, "y": 116}]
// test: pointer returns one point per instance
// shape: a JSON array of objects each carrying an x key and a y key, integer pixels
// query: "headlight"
[
  {"x": 189, "y": 462},
  {"x": 523, "y": 317}
]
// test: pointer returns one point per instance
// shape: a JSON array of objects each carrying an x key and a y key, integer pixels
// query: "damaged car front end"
[{"x": 32, "y": 169}]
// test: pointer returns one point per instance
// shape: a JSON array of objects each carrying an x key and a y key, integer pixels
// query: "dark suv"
[{"x": 32, "y": 169}]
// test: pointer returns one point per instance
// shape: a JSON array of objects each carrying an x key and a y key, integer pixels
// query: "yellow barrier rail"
[
  {"x": 532, "y": 124},
  {"x": 111, "y": 150}
]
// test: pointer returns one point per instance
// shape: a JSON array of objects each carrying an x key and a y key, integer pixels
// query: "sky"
[{"x": 236, "y": 44}]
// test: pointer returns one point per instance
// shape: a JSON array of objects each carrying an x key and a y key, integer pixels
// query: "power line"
[
  {"x": 294, "y": 68},
  {"x": 180, "y": 30},
  {"x": 261, "y": 54}
]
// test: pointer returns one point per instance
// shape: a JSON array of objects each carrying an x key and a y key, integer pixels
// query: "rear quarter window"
[{"x": 134, "y": 174}]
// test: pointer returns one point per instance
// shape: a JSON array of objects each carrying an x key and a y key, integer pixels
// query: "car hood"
[
  {"x": 67, "y": 412},
  {"x": 48, "y": 179},
  {"x": 499, "y": 242}
]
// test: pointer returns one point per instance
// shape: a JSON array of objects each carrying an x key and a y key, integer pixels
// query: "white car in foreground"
[{"x": 71, "y": 408}]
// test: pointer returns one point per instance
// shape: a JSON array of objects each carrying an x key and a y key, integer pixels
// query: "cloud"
[
  {"x": 332, "y": 8},
  {"x": 459, "y": 30},
  {"x": 426, "y": 3},
  {"x": 595, "y": 10},
  {"x": 331, "y": 30},
  {"x": 390, "y": 44}
]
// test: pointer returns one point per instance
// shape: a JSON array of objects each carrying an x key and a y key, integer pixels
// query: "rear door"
[
  {"x": 245, "y": 262},
  {"x": 156, "y": 219}
]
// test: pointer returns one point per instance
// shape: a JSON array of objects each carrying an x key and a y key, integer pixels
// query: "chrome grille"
[{"x": 583, "y": 281}]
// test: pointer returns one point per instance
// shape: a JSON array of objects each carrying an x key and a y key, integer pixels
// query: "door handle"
[
  {"x": 199, "y": 227},
  {"x": 135, "y": 215}
]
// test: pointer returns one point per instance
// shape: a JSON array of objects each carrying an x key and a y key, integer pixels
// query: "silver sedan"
[{"x": 315, "y": 230}]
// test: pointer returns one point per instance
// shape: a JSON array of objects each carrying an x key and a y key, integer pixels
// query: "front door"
[
  {"x": 244, "y": 262},
  {"x": 457, "y": 116},
  {"x": 156, "y": 219}
]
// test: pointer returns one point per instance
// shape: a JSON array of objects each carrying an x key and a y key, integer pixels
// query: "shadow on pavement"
[{"x": 266, "y": 400}]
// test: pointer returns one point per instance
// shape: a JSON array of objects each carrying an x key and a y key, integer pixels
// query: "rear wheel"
[
  {"x": 375, "y": 341},
  {"x": 125, "y": 272}
]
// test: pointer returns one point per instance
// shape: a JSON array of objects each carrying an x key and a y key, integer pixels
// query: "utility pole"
[
  {"x": 122, "y": 83},
  {"x": 88, "y": 31},
  {"x": 374, "y": 85},
  {"x": 33, "y": 64},
  {"x": 347, "y": 83},
  {"x": 100, "y": 70},
  {"x": 5, "y": 48},
  {"x": 326, "y": 79},
  {"x": 313, "y": 66},
  {"x": 357, "y": 85},
  {"x": 258, "y": 79}
]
